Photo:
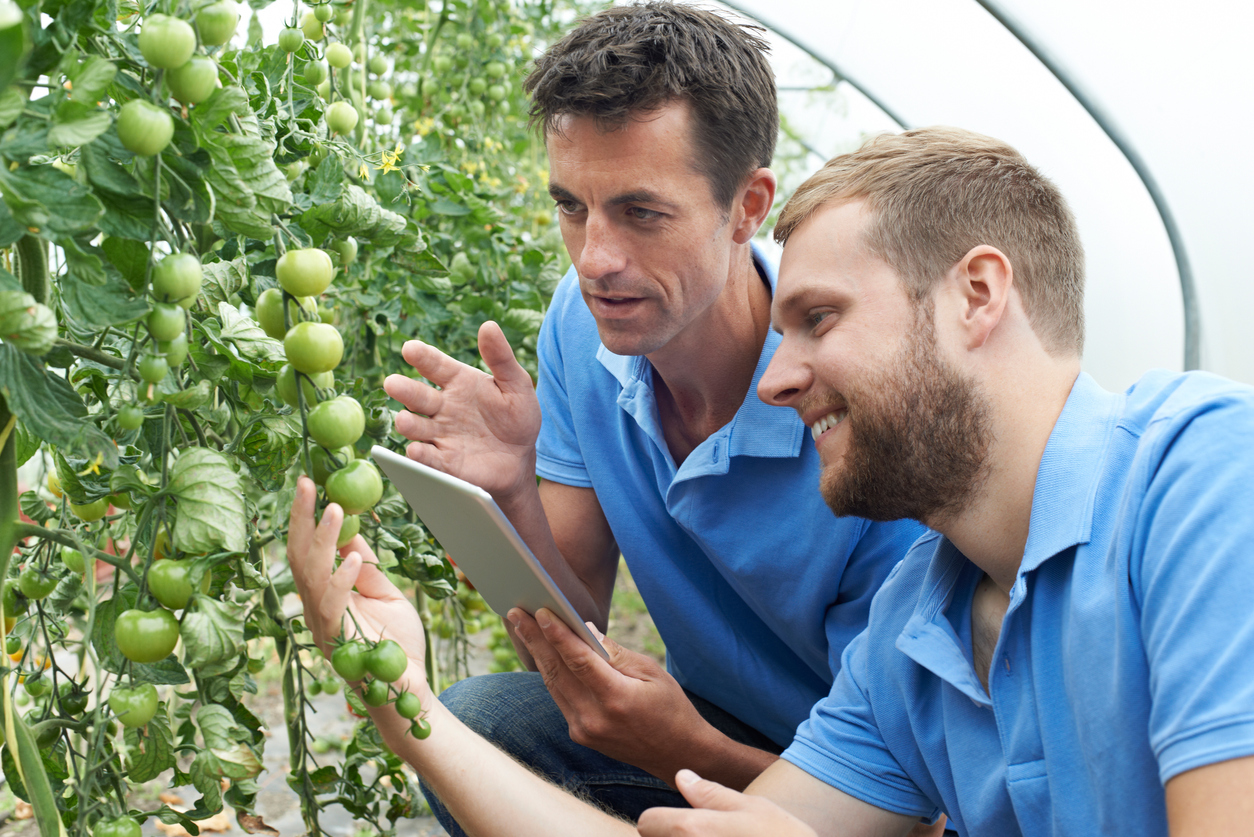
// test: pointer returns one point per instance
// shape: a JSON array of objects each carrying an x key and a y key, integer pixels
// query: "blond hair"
[{"x": 935, "y": 193}]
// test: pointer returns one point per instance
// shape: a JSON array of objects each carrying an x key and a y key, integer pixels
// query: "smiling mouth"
[{"x": 827, "y": 422}]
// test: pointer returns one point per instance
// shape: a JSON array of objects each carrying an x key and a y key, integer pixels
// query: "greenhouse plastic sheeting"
[{"x": 1175, "y": 80}]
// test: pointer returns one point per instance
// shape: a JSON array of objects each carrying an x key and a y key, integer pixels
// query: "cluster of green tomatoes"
[
  {"x": 314, "y": 349},
  {"x": 169, "y": 44},
  {"x": 377, "y": 666}
]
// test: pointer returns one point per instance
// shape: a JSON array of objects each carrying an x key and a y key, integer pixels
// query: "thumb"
[
  {"x": 702, "y": 793},
  {"x": 499, "y": 356}
]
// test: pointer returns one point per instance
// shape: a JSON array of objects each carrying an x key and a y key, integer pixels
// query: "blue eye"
[{"x": 816, "y": 318}]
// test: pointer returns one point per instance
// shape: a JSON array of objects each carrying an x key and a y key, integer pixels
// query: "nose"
[
  {"x": 787, "y": 377},
  {"x": 601, "y": 253}
]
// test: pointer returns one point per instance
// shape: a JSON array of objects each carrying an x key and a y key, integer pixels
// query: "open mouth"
[{"x": 827, "y": 422}]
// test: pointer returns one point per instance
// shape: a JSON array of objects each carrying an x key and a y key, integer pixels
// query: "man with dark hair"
[
  {"x": 646, "y": 431},
  {"x": 1067, "y": 653}
]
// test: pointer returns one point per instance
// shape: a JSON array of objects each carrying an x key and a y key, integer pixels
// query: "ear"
[
  {"x": 983, "y": 279},
  {"x": 752, "y": 205}
]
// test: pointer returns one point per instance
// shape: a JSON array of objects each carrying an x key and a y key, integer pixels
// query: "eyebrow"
[{"x": 557, "y": 193}]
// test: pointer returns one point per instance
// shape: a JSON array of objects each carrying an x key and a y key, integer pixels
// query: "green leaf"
[
  {"x": 90, "y": 79},
  {"x": 207, "y": 780},
  {"x": 355, "y": 213},
  {"x": 269, "y": 447},
  {"x": 91, "y": 297},
  {"x": 213, "y": 633},
  {"x": 50, "y": 408},
  {"x": 11, "y": 103},
  {"x": 149, "y": 751},
  {"x": 27, "y": 444},
  {"x": 444, "y": 206},
  {"x": 247, "y": 337},
  {"x": 423, "y": 263},
  {"x": 211, "y": 512},
  {"x": 45, "y": 198},
  {"x": 228, "y": 754},
  {"x": 192, "y": 398},
  {"x": 223, "y": 280},
  {"x": 129, "y": 257},
  {"x": 215, "y": 110},
  {"x": 78, "y": 124},
  {"x": 248, "y": 185}
]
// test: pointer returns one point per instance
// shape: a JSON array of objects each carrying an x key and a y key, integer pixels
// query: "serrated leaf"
[
  {"x": 355, "y": 213},
  {"x": 215, "y": 110},
  {"x": 150, "y": 752},
  {"x": 206, "y": 780},
  {"x": 213, "y": 633},
  {"x": 47, "y": 199},
  {"x": 192, "y": 398},
  {"x": 211, "y": 512},
  {"x": 50, "y": 408},
  {"x": 90, "y": 79},
  {"x": 247, "y": 337},
  {"x": 223, "y": 280},
  {"x": 27, "y": 444},
  {"x": 269, "y": 448}
]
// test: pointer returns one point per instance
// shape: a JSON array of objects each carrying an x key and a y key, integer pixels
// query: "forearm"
[{"x": 485, "y": 790}]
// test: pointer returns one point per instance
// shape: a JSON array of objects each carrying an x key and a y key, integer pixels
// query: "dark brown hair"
[
  {"x": 627, "y": 61},
  {"x": 935, "y": 194}
]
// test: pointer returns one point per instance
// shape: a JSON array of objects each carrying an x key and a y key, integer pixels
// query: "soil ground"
[{"x": 277, "y": 804}]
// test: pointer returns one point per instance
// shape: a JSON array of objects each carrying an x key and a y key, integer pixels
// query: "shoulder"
[{"x": 1161, "y": 400}]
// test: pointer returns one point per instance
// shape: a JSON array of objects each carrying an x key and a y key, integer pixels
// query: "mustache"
[{"x": 827, "y": 402}]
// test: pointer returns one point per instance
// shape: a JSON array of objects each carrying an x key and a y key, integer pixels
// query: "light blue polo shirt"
[
  {"x": 1126, "y": 656},
  {"x": 753, "y": 584}
]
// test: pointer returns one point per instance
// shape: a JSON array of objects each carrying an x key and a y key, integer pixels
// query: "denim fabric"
[{"x": 515, "y": 712}]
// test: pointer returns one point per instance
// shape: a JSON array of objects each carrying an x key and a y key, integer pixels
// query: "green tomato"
[
  {"x": 348, "y": 530},
  {"x": 476, "y": 86},
  {"x": 341, "y": 117},
  {"x": 37, "y": 685},
  {"x": 441, "y": 64},
  {"x": 73, "y": 560},
  {"x": 286, "y": 385},
  {"x": 376, "y": 693},
  {"x": 408, "y": 705},
  {"x": 349, "y": 660},
  {"x": 270, "y": 311},
  {"x": 337, "y": 422},
  {"x": 378, "y": 65},
  {"x": 153, "y": 368},
  {"x": 12, "y": 644},
  {"x": 330, "y": 685},
  {"x": 144, "y": 128},
  {"x": 384, "y": 116},
  {"x": 121, "y": 500},
  {"x": 356, "y": 487},
  {"x": 494, "y": 69},
  {"x": 324, "y": 12},
  {"x": 166, "y": 321},
  {"x": 465, "y": 41},
  {"x": 72, "y": 698},
  {"x": 497, "y": 92},
  {"x": 346, "y": 248},
  {"x": 323, "y": 90},
  {"x": 166, "y": 42},
  {"x": 175, "y": 351},
  {"x": 477, "y": 108},
  {"x": 89, "y": 512},
  {"x": 305, "y": 272},
  {"x": 217, "y": 22},
  {"x": 339, "y": 56},
  {"x": 131, "y": 417},
  {"x": 170, "y": 583},
  {"x": 323, "y": 465},
  {"x": 177, "y": 276},
  {"x": 15, "y": 604},
  {"x": 379, "y": 90},
  {"x": 314, "y": 688},
  {"x": 290, "y": 40},
  {"x": 146, "y": 636},
  {"x": 119, "y": 827},
  {"x": 316, "y": 72},
  {"x": 313, "y": 347},
  {"x": 134, "y": 707},
  {"x": 35, "y": 583},
  {"x": 420, "y": 729},
  {"x": 195, "y": 81},
  {"x": 495, "y": 40},
  {"x": 387, "y": 661},
  {"x": 311, "y": 26}
]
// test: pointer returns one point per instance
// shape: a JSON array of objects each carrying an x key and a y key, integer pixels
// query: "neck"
[
  {"x": 702, "y": 376},
  {"x": 992, "y": 529}
]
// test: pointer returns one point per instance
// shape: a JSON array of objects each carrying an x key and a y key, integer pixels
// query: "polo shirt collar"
[
  {"x": 1062, "y": 517},
  {"x": 757, "y": 429}
]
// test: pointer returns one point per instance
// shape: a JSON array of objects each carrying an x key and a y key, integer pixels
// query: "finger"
[
  {"x": 310, "y": 568},
  {"x": 582, "y": 662},
  {"x": 562, "y": 685},
  {"x": 431, "y": 363},
  {"x": 334, "y": 604},
  {"x": 673, "y": 822},
  {"x": 416, "y": 396},
  {"x": 702, "y": 793},
  {"x": 416, "y": 428},
  {"x": 499, "y": 356}
]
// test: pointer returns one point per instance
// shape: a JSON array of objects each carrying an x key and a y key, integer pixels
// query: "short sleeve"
[
  {"x": 1192, "y": 571},
  {"x": 558, "y": 456},
  {"x": 840, "y": 743}
]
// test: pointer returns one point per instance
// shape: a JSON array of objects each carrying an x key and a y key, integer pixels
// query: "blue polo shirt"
[
  {"x": 1126, "y": 656},
  {"x": 754, "y": 586}
]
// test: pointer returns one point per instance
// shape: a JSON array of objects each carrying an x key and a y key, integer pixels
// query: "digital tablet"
[{"x": 472, "y": 528}]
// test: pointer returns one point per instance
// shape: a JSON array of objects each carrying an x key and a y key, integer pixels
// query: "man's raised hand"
[{"x": 478, "y": 427}]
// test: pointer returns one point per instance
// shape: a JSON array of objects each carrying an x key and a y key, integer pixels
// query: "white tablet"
[{"x": 472, "y": 528}]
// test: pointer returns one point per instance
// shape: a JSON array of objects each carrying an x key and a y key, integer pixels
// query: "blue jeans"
[{"x": 516, "y": 713}]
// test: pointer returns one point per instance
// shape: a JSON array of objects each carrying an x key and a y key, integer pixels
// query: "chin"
[{"x": 628, "y": 342}]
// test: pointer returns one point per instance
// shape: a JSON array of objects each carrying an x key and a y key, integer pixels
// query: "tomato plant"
[
  {"x": 387, "y": 661},
  {"x": 205, "y": 246},
  {"x": 349, "y": 660},
  {"x": 135, "y": 706}
]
